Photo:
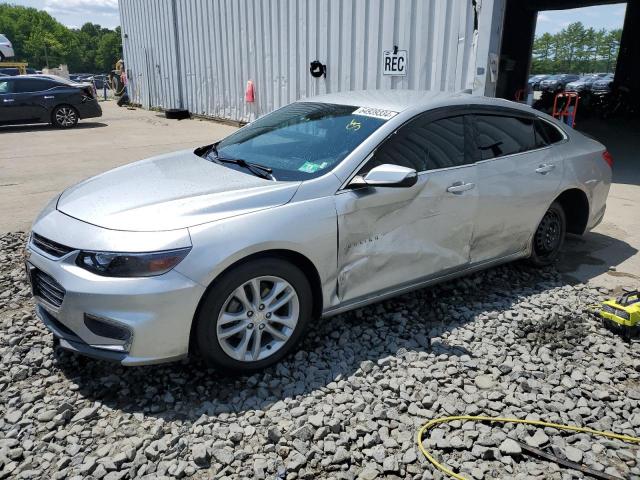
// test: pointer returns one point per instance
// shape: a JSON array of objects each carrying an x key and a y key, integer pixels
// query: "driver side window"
[{"x": 423, "y": 145}]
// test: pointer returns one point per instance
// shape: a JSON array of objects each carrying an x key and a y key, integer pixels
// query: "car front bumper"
[{"x": 142, "y": 320}]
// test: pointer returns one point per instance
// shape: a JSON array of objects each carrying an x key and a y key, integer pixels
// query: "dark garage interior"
[
  {"x": 519, "y": 31},
  {"x": 618, "y": 134}
]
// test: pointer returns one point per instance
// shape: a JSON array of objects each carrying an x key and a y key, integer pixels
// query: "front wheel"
[
  {"x": 254, "y": 315},
  {"x": 549, "y": 236},
  {"x": 64, "y": 116}
]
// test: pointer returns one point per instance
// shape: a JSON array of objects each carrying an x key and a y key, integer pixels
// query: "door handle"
[
  {"x": 48, "y": 97},
  {"x": 545, "y": 168},
  {"x": 8, "y": 100},
  {"x": 460, "y": 187}
]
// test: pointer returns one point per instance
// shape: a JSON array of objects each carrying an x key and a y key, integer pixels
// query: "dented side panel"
[
  {"x": 392, "y": 236},
  {"x": 513, "y": 199}
]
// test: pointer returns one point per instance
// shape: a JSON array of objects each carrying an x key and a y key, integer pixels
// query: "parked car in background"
[
  {"x": 331, "y": 203},
  {"x": 556, "y": 83},
  {"x": 583, "y": 84},
  {"x": 45, "y": 99},
  {"x": 534, "y": 81},
  {"x": 602, "y": 85},
  {"x": 97, "y": 80},
  {"x": 6, "y": 49},
  {"x": 13, "y": 71},
  {"x": 78, "y": 77}
]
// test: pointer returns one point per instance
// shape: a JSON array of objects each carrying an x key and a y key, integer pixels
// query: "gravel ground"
[{"x": 510, "y": 341}]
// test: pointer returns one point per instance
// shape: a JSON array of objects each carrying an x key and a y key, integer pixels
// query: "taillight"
[{"x": 607, "y": 157}]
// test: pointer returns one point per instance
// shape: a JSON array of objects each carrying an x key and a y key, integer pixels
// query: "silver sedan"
[{"x": 231, "y": 250}]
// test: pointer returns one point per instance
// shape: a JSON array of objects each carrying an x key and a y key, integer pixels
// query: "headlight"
[{"x": 116, "y": 264}]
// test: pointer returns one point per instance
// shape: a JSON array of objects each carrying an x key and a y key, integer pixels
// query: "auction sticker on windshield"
[
  {"x": 311, "y": 167},
  {"x": 375, "y": 113}
]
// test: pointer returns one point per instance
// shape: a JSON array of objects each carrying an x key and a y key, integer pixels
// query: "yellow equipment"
[
  {"x": 21, "y": 66},
  {"x": 622, "y": 314}
]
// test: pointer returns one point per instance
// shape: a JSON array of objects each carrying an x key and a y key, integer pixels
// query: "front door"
[{"x": 394, "y": 237}]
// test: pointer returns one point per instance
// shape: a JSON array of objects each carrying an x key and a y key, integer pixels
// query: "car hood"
[{"x": 170, "y": 191}]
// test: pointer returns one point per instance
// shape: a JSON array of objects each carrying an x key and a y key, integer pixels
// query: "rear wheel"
[
  {"x": 549, "y": 236},
  {"x": 64, "y": 116},
  {"x": 254, "y": 315}
]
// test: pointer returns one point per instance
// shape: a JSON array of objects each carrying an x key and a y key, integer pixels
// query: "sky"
[
  {"x": 73, "y": 13},
  {"x": 602, "y": 16}
]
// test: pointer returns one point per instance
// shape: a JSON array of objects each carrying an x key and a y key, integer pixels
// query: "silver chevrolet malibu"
[{"x": 231, "y": 250}]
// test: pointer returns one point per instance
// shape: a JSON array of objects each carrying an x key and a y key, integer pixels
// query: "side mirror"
[{"x": 387, "y": 175}]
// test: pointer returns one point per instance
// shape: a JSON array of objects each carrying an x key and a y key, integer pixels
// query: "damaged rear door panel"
[
  {"x": 518, "y": 178},
  {"x": 390, "y": 237}
]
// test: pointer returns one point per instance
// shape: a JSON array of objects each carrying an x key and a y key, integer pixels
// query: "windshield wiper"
[
  {"x": 213, "y": 149},
  {"x": 255, "y": 168}
]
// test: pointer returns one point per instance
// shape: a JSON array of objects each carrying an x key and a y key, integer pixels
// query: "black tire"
[
  {"x": 207, "y": 318},
  {"x": 64, "y": 116},
  {"x": 549, "y": 236}
]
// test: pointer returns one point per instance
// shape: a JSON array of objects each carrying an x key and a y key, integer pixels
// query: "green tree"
[
  {"x": 109, "y": 50},
  {"x": 39, "y": 39},
  {"x": 576, "y": 49}
]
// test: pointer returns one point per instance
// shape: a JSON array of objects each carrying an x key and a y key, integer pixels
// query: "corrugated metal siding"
[{"x": 223, "y": 43}]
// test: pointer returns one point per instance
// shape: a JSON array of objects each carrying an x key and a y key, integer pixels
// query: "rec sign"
[{"x": 394, "y": 62}]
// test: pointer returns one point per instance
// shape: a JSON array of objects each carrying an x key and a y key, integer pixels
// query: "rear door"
[
  {"x": 35, "y": 97},
  {"x": 393, "y": 237},
  {"x": 519, "y": 175}
]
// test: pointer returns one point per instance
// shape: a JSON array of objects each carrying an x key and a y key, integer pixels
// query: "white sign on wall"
[{"x": 394, "y": 62}]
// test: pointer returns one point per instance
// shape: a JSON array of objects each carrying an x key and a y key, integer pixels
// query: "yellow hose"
[{"x": 538, "y": 423}]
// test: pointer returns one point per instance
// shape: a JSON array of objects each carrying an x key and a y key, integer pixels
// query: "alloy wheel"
[
  {"x": 66, "y": 116},
  {"x": 258, "y": 318}
]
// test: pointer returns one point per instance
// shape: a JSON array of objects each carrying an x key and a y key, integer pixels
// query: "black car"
[
  {"x": 603, "y": 85},
  {"x": 535, "y": 81},
  {"x": 583, "y": 84},
  {"x": 556, "y": 83},
  {"x": 45, "y": 99}
]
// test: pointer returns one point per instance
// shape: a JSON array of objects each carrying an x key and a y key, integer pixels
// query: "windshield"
[{"x": 303, "y": 140}]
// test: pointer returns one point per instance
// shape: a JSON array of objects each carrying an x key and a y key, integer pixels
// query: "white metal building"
[{"x": 200, "y": 54}]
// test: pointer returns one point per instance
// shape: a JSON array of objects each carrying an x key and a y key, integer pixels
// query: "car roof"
[
  {"x": 45, "y": 76},
  {"x": 396, "y": 100},
  {"x": 400, "y": 100}
]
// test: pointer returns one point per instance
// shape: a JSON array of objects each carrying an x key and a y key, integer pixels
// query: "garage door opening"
[{"x": 577, "y": 38}]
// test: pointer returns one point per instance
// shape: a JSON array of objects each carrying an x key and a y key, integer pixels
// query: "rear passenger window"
[
  {"x": 546, "y": 133},
  {"x": 26, "y": 85},
  {"x": 497, "y": 135},
  {"x": 424, "y": 145}
]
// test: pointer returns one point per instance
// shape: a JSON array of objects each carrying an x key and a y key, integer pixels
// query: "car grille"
[
  {"x": 49, "y": 246},
  {"x": 47, "y": 288}
]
